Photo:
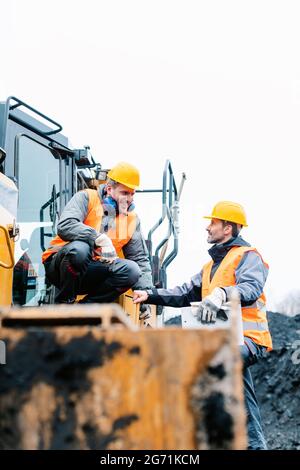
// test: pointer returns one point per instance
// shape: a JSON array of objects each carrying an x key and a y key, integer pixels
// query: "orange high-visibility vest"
[
  {"x": 255, "y": 323},
  {"x": 120, "y": 234}
]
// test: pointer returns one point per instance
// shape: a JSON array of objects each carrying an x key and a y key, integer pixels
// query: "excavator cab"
[{"x": 40, "y": 163}]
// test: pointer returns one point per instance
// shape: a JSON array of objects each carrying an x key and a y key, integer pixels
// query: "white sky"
[{"x": 212, "y": 85}]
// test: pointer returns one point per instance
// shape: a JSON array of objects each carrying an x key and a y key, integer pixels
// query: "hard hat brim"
[
  {"x": 211, "y": 217},
  {"x": 131, "y": 186}
]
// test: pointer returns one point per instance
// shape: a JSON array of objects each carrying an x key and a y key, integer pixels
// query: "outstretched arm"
[{"x": 180, "y": 296}]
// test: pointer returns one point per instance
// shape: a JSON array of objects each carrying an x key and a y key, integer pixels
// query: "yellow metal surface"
[
  {"x": 6, "y": 265},
  {"x": 133, "y": 311}
]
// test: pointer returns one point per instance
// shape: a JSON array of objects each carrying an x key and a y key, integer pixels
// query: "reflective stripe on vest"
[
  {"x": 255, "y": 323},
  {"x": 120, "y": 233}
]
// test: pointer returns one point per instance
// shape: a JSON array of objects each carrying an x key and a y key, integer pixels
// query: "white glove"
[
  {"x": 209, "y": 307},
  {"x": 107, "y": 250}
]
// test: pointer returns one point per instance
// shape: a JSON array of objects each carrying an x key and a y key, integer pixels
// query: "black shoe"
[{"x": 68, "y": 301}]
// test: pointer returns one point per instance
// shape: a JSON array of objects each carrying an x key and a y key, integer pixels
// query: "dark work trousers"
[
  {"x": 73, "y": 271},
  {"x": 251, "y": 352}
]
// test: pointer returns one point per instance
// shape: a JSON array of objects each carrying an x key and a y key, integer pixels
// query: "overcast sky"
[{"x": 212, "y": 85}]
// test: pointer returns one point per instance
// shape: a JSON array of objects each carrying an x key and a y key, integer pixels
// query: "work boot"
[{"x": 68, "y": 301}]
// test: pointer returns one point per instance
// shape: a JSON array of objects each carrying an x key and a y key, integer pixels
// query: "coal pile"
[{"x": 277, "y": 384}]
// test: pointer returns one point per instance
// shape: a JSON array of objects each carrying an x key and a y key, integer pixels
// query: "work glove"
[
  {"x": 105, "y": 249},
  {"x": 211, "y": 305}
]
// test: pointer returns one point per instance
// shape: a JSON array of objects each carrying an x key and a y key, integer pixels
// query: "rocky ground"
[{"x": 277, "y": 383}]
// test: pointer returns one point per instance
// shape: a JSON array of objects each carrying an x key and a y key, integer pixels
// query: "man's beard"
[{"x": 213, "y": 241}]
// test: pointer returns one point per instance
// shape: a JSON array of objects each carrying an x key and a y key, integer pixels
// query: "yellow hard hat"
[
  {"x": 230, "y": 211},
  {"x": 126, "y": 174}
]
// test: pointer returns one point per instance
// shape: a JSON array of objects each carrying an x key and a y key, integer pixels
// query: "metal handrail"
[
  {"x": 52, "y": 200},
  {"x": 167, "y": 168},
  {"x": 164, "y": 240},
  {"x": 168, "y": 205},
  {"x": 30, "y": 126}
]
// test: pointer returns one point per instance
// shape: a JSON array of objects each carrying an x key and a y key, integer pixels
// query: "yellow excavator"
[{"x": 96, "y": 376}]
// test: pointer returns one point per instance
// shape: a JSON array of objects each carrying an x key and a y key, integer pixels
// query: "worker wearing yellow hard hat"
[
  {"x": 95, "y": 229},
  {"x": 234, "y": 266}
]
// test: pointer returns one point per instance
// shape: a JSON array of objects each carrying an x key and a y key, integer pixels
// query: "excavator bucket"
[{"x": 86, "y": 377}]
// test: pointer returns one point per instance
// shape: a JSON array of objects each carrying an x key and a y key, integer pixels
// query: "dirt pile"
[{"x": 277, "y": 383}]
